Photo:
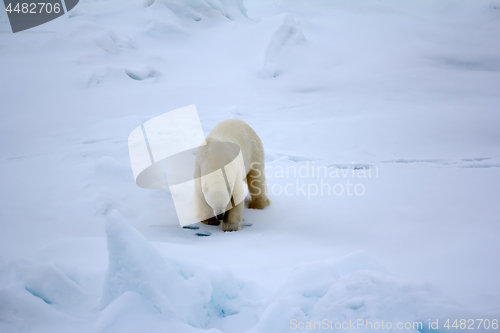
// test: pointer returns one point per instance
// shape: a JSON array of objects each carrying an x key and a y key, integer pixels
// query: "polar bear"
[{"x": 219, "y": 184}]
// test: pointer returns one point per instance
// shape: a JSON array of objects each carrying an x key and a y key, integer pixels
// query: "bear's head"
[
  {"x": 217, "y": 193},
  {"x": 220, "y": 165}
]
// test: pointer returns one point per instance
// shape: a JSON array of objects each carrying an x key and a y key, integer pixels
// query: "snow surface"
[{"x": 405, "y": 93}]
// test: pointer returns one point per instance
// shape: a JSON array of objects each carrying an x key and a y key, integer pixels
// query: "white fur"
[{"x": 211, "y": 193}]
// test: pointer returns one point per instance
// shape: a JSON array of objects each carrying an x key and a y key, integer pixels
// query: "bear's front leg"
[
  {"x": 232, "y": 221},
  {"x": 211, "y": 221}
]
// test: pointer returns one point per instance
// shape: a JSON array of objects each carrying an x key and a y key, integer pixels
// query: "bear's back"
[{"x": 239, "y": 132}]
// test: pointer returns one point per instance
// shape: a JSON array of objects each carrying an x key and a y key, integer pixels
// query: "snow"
[{"x": 394, "y": 103}]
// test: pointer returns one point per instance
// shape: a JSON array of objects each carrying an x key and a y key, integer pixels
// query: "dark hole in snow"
[{"x": 191, "y": 227}]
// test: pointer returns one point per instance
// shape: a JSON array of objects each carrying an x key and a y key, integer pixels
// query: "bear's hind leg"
[
  {"x": 232, "y": 220},
  {"x": 256, "y": 180}
]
